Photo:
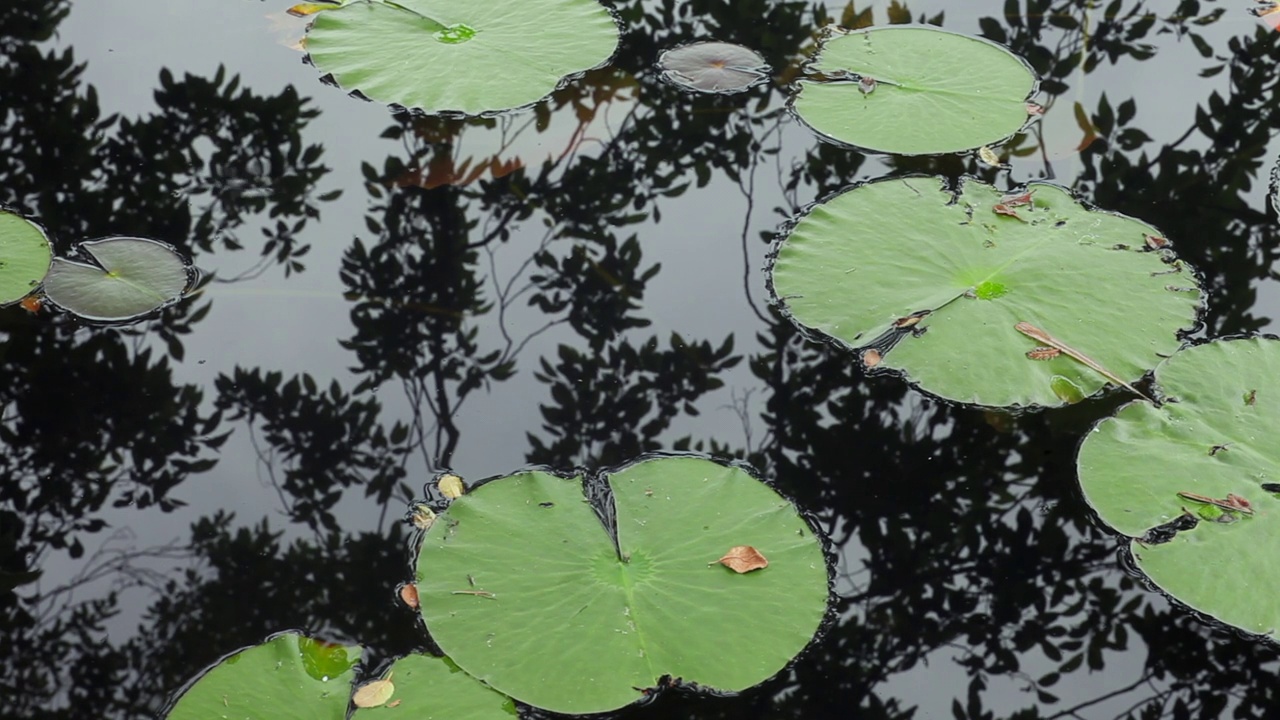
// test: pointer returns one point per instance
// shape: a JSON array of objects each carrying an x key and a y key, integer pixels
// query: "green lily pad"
[
  {"x": 434, "y": 688},
  {"x": 933, "y": 91},
  {"x": 935, "y": 281},
  {"x": 1217, "y": 440},
  {"x": 127, "y": 278},
  {"x": 713, "y": 67},
  {"x": 472, "y": 57},
  {"x": 522, "y": 585},
  {"x": 289, "y": 677},
  {"x": 25, "y": 254}
]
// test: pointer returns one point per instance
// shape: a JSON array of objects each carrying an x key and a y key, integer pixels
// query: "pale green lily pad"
[
  {"x": 472, "y": 57},
  {"x": 522, "y": 586},
  {"x": 933, "y": 91},
  {"x": 864, "y": 262},
  {"x": 713, "y": 67},
  {"x": 434, "y": 688},
  {"x": 131, "y": 277},
  {"x": 289, "y": 677},
  {"x": 1217, "y": 439},
  {"x": 25, "y": 254}
]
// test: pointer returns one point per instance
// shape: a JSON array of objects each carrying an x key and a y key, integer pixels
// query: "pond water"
[{"x": 573, "y": 285}]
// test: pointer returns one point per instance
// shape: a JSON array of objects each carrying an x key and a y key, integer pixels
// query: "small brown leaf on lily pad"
[
  {"x": 744, "y": 559},
  {"x": 374, "y": 694}
]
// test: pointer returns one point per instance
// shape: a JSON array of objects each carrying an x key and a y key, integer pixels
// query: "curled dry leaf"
[
  {"x": 409, "y": 595},
  {"x": 373, "y": 694},
  {"x": 744, "y": 559},
  {"x": 423, "y": 517},
  {"x": 451, "y": 486}
]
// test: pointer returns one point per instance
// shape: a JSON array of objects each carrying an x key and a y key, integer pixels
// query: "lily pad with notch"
[
  {"x": 288, "y": 677},
  {"x": 120, "y": 279},
  {"x": 25, "y": 254},
  {"x": 471, "y": 57},
  {"x": 713, "y": 67},
  {"x": 942, "y": 285},
  {"x": 576, "y": 602},
  {"x": 1195, "y": 483},
  {"x": 913, "y": 90}
]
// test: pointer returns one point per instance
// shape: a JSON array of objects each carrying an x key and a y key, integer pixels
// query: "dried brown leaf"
[
  {"x": 373, "y": 694},
  {"x": 409, "y": 595},
  {"x": 744, "y": 559}
]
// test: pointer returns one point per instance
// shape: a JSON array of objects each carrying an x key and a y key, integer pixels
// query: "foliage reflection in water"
[{"x": 969, "y": 564}]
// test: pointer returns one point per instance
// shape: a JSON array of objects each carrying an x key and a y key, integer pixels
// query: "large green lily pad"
[
  {"x": 473, "y": 57},
  {"x": 434, "y": 688},
  {"x": 860, "y": 265},
  {"x": 127, "y": 278},
  {"x": 25, "y": 254},
  {"x": 933, "y": 91},
  {"x": 289, "y": 677},
  {"x": 521, "y": 584},
  {"x": 1218, "y": 439}
]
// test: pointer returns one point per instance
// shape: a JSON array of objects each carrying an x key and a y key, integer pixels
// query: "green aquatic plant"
[
  {"x": 1195, "y": 483},
  {"x": 118, "y": 279},
  {"x": 578, "y": 603},
  {"x": 713, "y": 67},
  {"x": 471, "y": 57},
  {"x": 959, "y": 289},
  {"x": 25, "y": 255},
  {"x": 913, "y": 90},
  {"x": 288, "y": 677}
]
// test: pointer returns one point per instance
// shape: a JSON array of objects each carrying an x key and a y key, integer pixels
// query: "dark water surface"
[{"x": 242, "y": 464}]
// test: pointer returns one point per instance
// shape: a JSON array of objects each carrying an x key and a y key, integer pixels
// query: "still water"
[{"x": 242, "y": 464}]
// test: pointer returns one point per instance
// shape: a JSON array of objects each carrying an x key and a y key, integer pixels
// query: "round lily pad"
[
  {"x": 714, "y": 67},
  {"x": 289, "y": 677},
  {"x": 522, "y": 584},
  {"x": 935, "y": 283},
  {"x": 126, "y": 279},
  {"x": 472, "y": 57},
  {"x": 25, "y": 254},
  {"x": 914, "y": 90},
  {"x": 434, "y": 688},
  {"x": 1196, "y": 482}
]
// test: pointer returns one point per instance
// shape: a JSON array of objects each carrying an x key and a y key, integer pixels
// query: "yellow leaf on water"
[
  {"x": 375, "y": 693},
  {"x": 451, "y": 486},
  {"x": 311, "y": 8},
  {"x": 989, "y": 156}
]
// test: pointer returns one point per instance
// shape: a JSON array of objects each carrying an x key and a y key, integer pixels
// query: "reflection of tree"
[
  {"x": 964, "y": 540},
  {"x": 89, "y": 418}
]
